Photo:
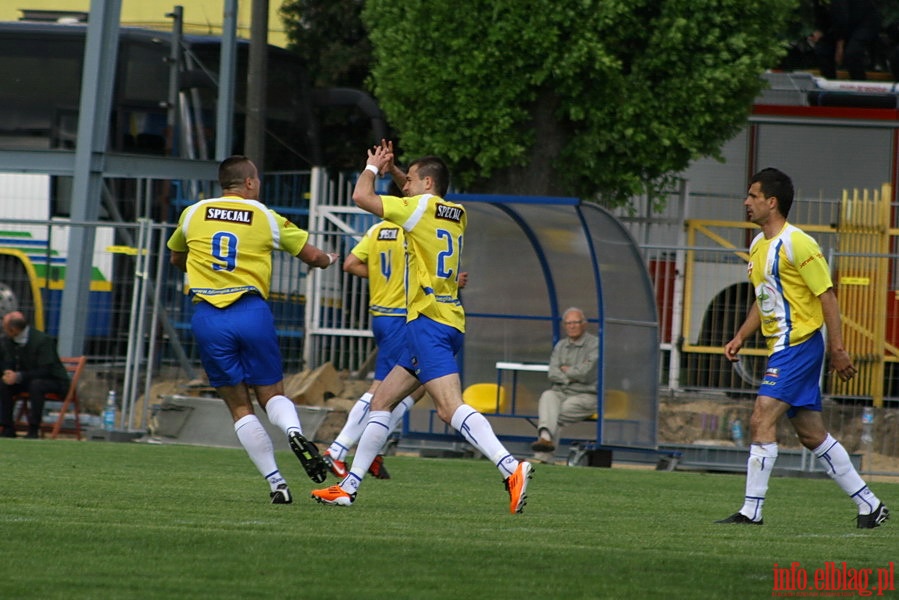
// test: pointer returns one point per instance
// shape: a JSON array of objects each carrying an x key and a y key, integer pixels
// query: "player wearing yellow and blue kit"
[
  {"x": 435, "y": 325},
  {"x": 794, "y": 300},
  {"x": 225, "y": 246},
  {"x": 379, "y": 257},
  {"x": 788, "y": 272}
]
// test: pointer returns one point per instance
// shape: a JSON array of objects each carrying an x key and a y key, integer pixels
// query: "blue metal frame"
[
  {"x": 600, "y": 315},
  {"x": 502, "y": 201}
]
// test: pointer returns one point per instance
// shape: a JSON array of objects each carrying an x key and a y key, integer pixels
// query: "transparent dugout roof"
[{"x": 528, "y": 260}]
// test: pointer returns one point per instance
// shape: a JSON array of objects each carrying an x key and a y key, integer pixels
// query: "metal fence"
[
  {"x": 138, "y": 318},
  {"x": 703, "y": 295}
]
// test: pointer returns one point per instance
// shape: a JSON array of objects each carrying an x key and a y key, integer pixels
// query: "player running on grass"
[
  {"x": 379, "y": 257},
  {"x": 225, "y": 246},
  {"x": 435, "y": 324},
  {"x": 794, "y": 300}
]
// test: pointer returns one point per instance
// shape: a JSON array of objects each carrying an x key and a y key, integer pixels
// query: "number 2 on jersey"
[{"x": 448, "y": 260}]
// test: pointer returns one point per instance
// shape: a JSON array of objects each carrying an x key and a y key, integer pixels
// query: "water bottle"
[
  {"x": 736, "y": 432},
  {"x": 109, "y": 411},
  {"x": 867, "y": 427}
]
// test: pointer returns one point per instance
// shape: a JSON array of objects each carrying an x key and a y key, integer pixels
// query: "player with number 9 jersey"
[
  {"x": 230, "y": 242},
  {"x": 225, "y": 247}
]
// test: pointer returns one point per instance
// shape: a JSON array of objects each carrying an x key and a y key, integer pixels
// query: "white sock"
[
  {"x": 476, "y": 430},
  {"x": 758, "y": 471},
  {"x": 282, "y": 413},
  {"x": 352, "y": 429},
  {"x": 835, "y": 460},
  {"x": 396, "y": 416},
  {"x": 373, "y": 437},
  {"x": 255, "y": 440},
  {"x": 399, "y": 411}
]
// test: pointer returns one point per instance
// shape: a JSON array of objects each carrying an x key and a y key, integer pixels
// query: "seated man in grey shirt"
[{"x": 573, "y": 374}]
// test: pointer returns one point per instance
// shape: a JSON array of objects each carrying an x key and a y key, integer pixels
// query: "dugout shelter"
[{"x": 529, "y": 259}]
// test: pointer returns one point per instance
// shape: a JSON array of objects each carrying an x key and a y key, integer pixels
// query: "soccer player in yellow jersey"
[
  {"x": 225, "y": 246},
  {"x": 794, "y": 299},
  {"x": 435, "y": 323},
  {"x": 379, "y": 257}
]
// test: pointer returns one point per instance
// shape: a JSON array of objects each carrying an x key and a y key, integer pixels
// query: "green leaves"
[{"x": 635, "y": 89}]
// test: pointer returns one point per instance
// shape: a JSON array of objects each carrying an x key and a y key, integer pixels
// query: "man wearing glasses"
[{"x": 573, "y": 374}]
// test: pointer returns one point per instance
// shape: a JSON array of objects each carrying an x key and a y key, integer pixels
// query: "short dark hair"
[
  {"x": 436, "y": 169},
  {"x": 774, "y": 182},
  {"x": 234, "y": 170}
]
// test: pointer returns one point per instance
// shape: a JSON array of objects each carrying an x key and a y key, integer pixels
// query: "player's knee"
[
  {"x": 762, "y": 427},
  {"x": 811, "y": 440}
]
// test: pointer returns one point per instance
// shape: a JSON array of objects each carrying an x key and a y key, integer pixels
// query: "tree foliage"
[
  {"x": 329, "y": 36},
  {"x": 599, "y": 99}
]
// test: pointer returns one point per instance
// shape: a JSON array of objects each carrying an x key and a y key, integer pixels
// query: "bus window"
[{"x": 40, "y": 79}]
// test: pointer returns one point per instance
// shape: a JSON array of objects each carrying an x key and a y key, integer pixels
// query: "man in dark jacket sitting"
[{"x": 30, "y": 364}]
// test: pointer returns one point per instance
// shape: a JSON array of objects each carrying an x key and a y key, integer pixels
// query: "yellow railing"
[
  {"x": 861, "y": 282},
  {"x": 37, "y": 298}
]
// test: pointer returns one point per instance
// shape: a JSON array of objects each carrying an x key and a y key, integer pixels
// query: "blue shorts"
[
  {"x": 238, "y": 343},
  {"x": 433, "y": 347},
  {"x": 793, "y": 375},
  {"x": 393, "y": 347}
]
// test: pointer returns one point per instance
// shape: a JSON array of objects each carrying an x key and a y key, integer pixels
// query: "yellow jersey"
[
  {"x": 229, "y": 243},
  {"x": 434, "y": 229},
  {"x": 788, "y": 273},
  {"x": 382, "y": 249}
]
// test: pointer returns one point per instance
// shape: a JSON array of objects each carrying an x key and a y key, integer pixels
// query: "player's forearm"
[
  {"x": 179, "y": 260},
  {"x": 364, "y": 195},
  {"x": 314, "y": 257},
  {"x": 751, "y": 324},
  {"x": 831, "y": 310},
  {"x": 357, "y": 270}
]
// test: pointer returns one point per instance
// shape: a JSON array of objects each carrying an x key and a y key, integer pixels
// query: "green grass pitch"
[{"x": 128, "y": 520}]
